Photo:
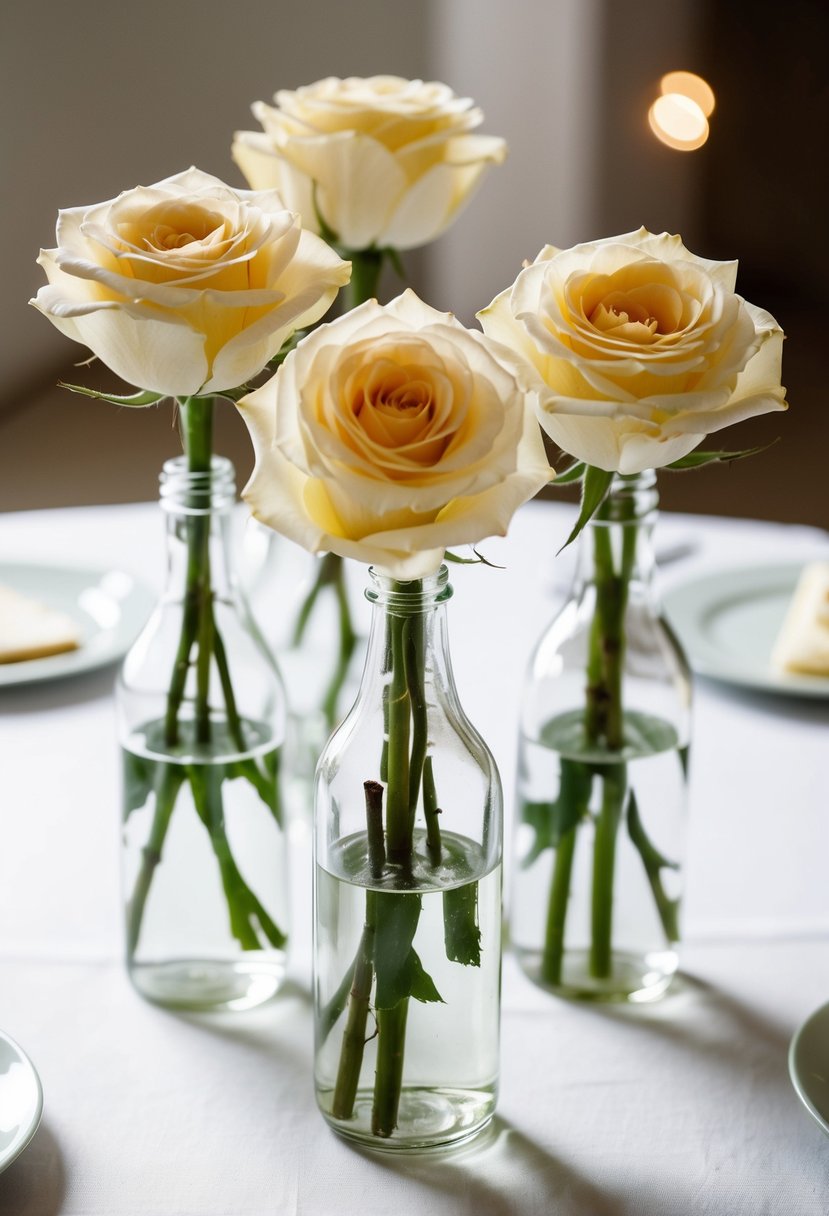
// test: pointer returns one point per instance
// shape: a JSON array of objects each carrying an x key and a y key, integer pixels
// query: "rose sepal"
[
  {"x": 695, "y": 460},
  {"x": 573, "y": 473},
  {"x": 477, "y": 560},
  {"x": 594, "y": 490},
  {"x": 135, "y": 400}
]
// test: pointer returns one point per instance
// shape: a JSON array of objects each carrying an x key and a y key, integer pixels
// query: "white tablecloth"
[{"x": 683, "y": 1107}]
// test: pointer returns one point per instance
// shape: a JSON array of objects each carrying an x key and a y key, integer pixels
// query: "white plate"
[
  {"x": 21, "y": 1100},
  {"x": 109, "y": 606},
  {"x": 809, "y": 1065},
  {"x": 728, "y": 622}
]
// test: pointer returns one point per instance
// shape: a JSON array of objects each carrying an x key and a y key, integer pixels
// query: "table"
[{"x": 681, "y": 1107}]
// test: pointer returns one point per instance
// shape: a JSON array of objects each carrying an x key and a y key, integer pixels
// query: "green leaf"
[
  {"x": 461, "y": 930},
  {"x": 422, "y": 985},
  {"x": 136, "y": 399},
  {"x": 695, "y": 460},
  {"x": 567, "y": 476},
  {"x": 398, "y": 969},
  {"x": 654, "y": 862},
  {"x": 270, "y": 762},
  {"x": 138, "y": 781},
  {"x": 538, "y": 816},
  {"x": 653, "y": 859},
  {"x": 594, "y": 490},
  {"x": 397, "y": 919},
  {"x": 245, "y": 910},
  {"x": 551, "y": 821}
]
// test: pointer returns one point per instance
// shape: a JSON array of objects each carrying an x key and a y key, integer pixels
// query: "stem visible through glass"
[
  {"x": 198, "y": 630},
  {"x": 386, "y": 963},
  {"x": 603, "y": 732}
]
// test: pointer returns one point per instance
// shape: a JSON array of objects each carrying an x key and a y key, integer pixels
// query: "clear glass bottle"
[
  {"x": 407, "y": 892},
  {"x": 321, "y": 654},
  {"x": 202, "y": 719},
  {"x": 602, "y": 773}
]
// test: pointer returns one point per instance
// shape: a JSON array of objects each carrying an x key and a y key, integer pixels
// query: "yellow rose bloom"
[
  {"x": 390, "y": 434},
  {"x": 637, "y": 348},
  {"x": 186, "y": 287},
  {"x": 385, "y": 162}
]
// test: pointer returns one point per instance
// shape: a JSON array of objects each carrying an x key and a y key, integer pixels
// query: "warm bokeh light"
[
  {"x": 678, "y": 121},
  {"x": 688, "y": 84}
]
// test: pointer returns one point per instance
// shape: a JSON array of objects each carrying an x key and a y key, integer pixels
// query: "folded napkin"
[
  {"x": 803, "y": 642},
  {"x": 31, "y": 630}
]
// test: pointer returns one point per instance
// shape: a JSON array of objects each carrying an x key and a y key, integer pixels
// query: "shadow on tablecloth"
[{"x": 35, "y": 1184}]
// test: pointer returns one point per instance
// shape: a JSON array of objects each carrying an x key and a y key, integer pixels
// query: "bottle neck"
[
  {"x": 411, "y": 617},
  {"x": 198, "y": 506},
  {"x": 618, "y": 541}
]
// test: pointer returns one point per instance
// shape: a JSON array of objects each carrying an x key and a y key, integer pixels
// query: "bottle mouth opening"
[
  {"x": 184, "y": 491},
  {"x": 633, "y": 499},
  {"x": 409, "y": 595}
]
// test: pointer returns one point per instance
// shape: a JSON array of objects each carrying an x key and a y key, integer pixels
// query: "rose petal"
[
  {"x": 363, "y": 492},
  {"x": 230, "y": 273},
  {"x": 160, "y": 355},
  {"x": 637, "y": 348},
  {"x": 358, "y": 183}
]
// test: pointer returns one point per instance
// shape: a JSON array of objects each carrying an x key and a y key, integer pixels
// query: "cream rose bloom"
[
  {"x": 638, "y": 349},
  {"x": 388, "y": 435},
  {"x": 386, "y": 162},
  {"x": 186, "y": 287}
]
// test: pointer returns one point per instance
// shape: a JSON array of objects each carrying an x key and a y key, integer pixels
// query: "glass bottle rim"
[
  {"x": 633, "y": 498},
  {"x": 183, "y": 491},
  {"x": 408, "y": 595}
]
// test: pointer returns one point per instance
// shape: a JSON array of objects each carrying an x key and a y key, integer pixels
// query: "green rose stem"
[
  {"x": 386, "y": 958},
  {"x": 388, "y": 1082},
  {"x": 366, "y": 265},
  {"x": 552, "y": 955},
  {"x": 398, "y": 816},
  {"x": 611, "y": 605},
  {"x": 604, "y": 732},
  {"x": 199, "y": 628},
  {"x": 168, "y": 784},
  {"x": 385, "y": 955},
  {"x": 354, "y": 1035},
  {"x": 361, "y": 975},
  {"x": 196, "y": 432},
  {"x": 405, "y": 759}
]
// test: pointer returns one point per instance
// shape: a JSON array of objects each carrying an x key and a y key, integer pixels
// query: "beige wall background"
[{"x": 98, "y": 97}]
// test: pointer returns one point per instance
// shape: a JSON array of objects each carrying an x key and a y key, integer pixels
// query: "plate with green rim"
[
  {"x": 21, "y": 1100},
  {"x": 109, "y": 608},
  {"x": 809, "y": 1065},
  {"x": 728, "y": 621}
]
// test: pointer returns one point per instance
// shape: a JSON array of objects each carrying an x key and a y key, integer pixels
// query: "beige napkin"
[
  {"x": 803, "y": 642},
  {"x": 31, "y": 630}
]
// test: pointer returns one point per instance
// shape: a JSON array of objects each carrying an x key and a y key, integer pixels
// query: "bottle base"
[
  {"x": 209, "y": 984},
  {"x": 634, "y": 978},
  {"x": 427, "y": 1118}
]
